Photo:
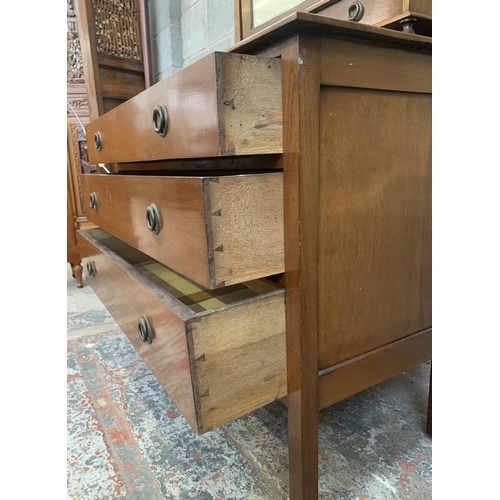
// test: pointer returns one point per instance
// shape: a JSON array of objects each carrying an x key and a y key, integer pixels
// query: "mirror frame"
[{"x": 243, "y": 16}]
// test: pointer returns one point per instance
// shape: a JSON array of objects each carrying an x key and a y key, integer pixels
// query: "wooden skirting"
[{"x": 346, "y": 379}]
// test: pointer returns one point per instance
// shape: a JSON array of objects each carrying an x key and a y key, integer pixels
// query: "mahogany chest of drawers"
[{"x": 266, "y": 232}]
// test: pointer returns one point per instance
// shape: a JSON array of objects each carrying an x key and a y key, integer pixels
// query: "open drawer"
[
  {"x": 222, "y": 105},
  {"x": 216, "y": 230},
  {"x": 218, "y": 354}
]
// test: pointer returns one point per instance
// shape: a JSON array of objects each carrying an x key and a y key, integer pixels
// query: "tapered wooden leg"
[
  {"x": 302, "y": 447},
  {"x": 301, "y": 89},
  {"x": 77, "y": 269},
  {"x": 429, "y": 409}
]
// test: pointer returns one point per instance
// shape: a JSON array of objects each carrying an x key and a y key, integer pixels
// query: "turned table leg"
[{"x": 77, "y": 269}]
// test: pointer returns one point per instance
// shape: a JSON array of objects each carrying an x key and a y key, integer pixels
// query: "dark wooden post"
[{"x": 301, "y": 86}]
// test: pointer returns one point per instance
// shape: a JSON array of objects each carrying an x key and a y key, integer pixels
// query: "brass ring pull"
[
  {"x": 160, "y": 120},
  {"x": 153, "y": 219},
  {"x": 355, "y": 11},
  {"x": 98, "y": 141},
  {"x": 90, "y": 268},
  {"x": 93, "y": 200},
  {"x": 407, "y": 24},
  {"x": 144, "y": 330}
]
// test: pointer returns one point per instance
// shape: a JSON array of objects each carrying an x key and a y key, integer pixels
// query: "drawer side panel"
[
  {"x": 246, "y": 214},
  {"x": 239, "y": 359},
  {"x": 421, "y": 6},
  {"x": 250, "y": 104}
]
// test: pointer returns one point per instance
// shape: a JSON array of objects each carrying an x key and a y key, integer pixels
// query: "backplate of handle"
[
  {"x": 160, "y": 120},
  {"x": 90, "y": 268},
  {"x": 144, "y": 330},
  {"x": 98, "y": 141},
  {"x": 355, "y": 11},
  {"x": 93, "y": 200},
  {"x": 153, "y": 219}
]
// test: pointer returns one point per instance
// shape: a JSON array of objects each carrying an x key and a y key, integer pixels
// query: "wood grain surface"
[
  {"x": 358, "y": 177},
  {"x": 350, "y": 64},
  {"x": 246, "y": 220},
  {"x": 369, "y": 369},
  {"x": 223, "y": 104},
  {"x": 249, "y": 96},
  {"x": 301, "y": 90},
  {"x": 429, "y": 408},
  {"x": 122, "y": 203},
  {"x": 190, "y": 96},
  {"x": 120, "y": 84},
  {"x": 376, "y": 11},
  {"x": 375, "y": 226},
  {"x": 72, "y": 250},
  {"x": 218, "y": 354},
  {"x": 126, "y": 298},
  {"x": 420, "y": 6},
  {"x": 381, "y": 12},
  {"x": 318, "y": 25},
  {"x": 216, "y": 231},
  {"x": 239, "y": 357}
]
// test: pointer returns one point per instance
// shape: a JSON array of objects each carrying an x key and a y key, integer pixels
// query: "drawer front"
[
  {"x": 224, "y": 104},
  {"x": 377, "y": 12},
  {"x": 217, "y": 231},
  {"x": 127, "y": 300},
  {"x": 219, "y": 355}
]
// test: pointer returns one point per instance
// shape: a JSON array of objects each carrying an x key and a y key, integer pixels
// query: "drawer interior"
[
  {"x": 196, "y": 297},
  {"x": 219, "y": 354}
]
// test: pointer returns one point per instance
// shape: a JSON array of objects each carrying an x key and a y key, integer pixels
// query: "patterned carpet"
[{"x": 126, "y": 439}]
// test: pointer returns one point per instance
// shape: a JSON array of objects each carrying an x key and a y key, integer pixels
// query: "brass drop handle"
[
  {"x": 160, "y": 120},
  {"x": 153, "y": 219},
  {"x": 93, "y": 200},
  {"x": 144, "y": 330},
  {"x": 98, "y": 141},
  {"x": 355, "y": 11},
  {"x": 91, "y": 268}
]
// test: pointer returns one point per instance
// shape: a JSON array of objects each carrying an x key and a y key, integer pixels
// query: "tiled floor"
[{"x": 127, "y": 440}]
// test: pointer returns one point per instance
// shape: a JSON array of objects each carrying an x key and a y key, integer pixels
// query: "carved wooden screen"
[
  {"x": 117, "y": 28},
  {"x": 105, "y": 67},
  {"x": 112, "y": 49},
  {"x": 77, "y": 115}
]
